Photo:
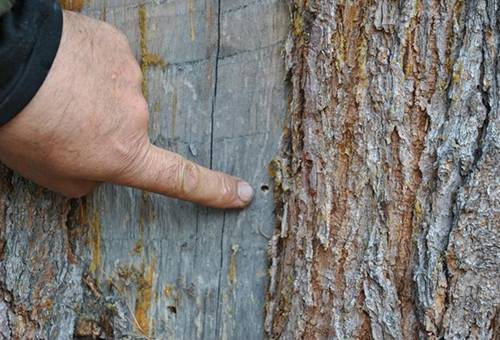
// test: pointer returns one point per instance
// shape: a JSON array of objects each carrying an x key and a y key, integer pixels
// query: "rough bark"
[{"x": 388, "y": 181}]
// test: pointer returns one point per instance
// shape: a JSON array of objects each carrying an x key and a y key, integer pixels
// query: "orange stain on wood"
[
  {"x": 191, "y": 21},
  {"x": 95, "y": 243},
  {"x": 168, "y": 290},
  {"x": 144, "y": 298},
  {"x": 72, "y": 5},
  {"x": 231, "y": 277},
  {"x": 147, "y": 59}
]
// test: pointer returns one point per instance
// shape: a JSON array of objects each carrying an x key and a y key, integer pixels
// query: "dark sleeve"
[{"x": 30, "y": 32}]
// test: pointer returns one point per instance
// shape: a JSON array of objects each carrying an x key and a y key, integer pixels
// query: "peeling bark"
[{"x": 387, "y": 185}]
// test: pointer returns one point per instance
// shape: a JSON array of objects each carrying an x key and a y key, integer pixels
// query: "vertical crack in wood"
[
  {"x": 212, "y": 133},
  {"x": 218, "y": 313},
  {"x": 216, "y": 75}
]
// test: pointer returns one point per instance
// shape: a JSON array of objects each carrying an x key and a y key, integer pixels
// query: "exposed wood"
[
  {"x": 123, "y": 263},
  {"x": 388, "y": 182}
]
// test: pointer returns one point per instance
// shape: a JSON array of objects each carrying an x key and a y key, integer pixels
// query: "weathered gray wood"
[
  {"x": 389, "y": 177},
  {"x": 123, "y": 263}
]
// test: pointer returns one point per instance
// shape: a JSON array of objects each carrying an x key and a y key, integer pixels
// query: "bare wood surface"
[{"x": 127, "y": 264}]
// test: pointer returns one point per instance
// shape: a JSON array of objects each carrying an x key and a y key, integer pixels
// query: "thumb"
[{"x": 170, "y": 174}]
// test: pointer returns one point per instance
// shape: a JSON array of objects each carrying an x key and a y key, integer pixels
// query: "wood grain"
[{"x": 124, "y": 263}]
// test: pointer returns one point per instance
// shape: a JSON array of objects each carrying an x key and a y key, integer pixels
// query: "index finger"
[{"x": 170, "y": 174}]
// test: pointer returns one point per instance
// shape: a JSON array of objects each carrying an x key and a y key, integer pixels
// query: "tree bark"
[{"x": 387, "y": 184}]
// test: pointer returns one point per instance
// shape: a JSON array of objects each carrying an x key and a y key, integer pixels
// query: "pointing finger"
[{"x": 170, "y": 174}]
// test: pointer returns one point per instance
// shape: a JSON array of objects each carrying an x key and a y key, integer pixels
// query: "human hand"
[{"x": 88, "y": 124}]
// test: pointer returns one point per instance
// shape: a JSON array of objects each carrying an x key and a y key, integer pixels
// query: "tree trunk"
[
  {"x": 386, "y": 185},
  {"x": 388, "y": 181}
]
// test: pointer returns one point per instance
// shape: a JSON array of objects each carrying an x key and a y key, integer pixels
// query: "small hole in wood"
[
  {"x": 172, "y": 309},
  {"x": 264, "y": 188}
]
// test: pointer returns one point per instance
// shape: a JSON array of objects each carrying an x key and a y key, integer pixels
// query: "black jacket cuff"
[{"x": 30, "y": 34}]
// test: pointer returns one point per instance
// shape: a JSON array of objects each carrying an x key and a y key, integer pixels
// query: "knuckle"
[
  {"x": 135, "y": 69},
  {"x": 191, "y": 177},
  {"x": 125, "y": 157},
  {"x": 188, "y": 177},
  {"x": 131, "y": 158},
  {"x": 138, "y": 105},
  {"x": 139, "y": 113},
  {"x": 227, "y": 190},
  {"x": 125, "y": 72},
  {"x": 141, "y": 121},
  {"x": 115, "y": 36},
  {"x": 119, "y": 36},
  {"x": 131, "y": 69}
]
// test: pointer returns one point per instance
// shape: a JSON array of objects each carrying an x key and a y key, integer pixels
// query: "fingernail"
[{"x": 245, "y": 191}]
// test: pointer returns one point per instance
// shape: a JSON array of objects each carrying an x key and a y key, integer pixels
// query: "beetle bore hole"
[
  {"x": 264, "y": 188},
  {"x": 172, "y": 309}
]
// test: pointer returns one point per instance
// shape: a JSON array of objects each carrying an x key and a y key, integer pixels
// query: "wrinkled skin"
[{"x": 88, "y": 124}]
